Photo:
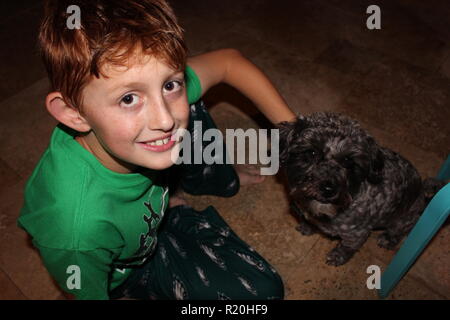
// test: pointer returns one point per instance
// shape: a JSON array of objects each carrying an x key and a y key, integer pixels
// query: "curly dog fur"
[{"x": 344, "y": 184}]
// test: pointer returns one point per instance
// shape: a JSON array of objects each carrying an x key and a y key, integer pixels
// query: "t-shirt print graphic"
[{"x": 148, "y": 240}]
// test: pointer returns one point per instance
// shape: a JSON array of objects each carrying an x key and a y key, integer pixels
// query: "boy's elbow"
[
  {"x": 231, "y": 52},
  {"x": 233, "y": 55},
  {"x": 234, "y": 58}
]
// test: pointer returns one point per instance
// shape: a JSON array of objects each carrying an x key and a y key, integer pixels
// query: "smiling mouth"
[
  {"x": 159, "y": 142},
  {"x": 159, "y": 145}
]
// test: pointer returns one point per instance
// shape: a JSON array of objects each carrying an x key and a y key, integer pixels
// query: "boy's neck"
[{"x": 91, "y": 144}]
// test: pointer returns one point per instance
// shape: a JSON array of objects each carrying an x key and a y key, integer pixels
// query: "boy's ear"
[{"x": 64, "y": 113}]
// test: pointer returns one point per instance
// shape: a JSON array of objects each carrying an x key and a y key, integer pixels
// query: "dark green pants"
[{"x": 198, "y": 256}]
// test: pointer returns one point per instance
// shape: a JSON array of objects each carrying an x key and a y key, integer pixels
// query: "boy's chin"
[
  {"x": 159, "y": 164},
  {"x": 161, "y": 161}
]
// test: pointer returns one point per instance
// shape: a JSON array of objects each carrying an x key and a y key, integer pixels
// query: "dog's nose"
[{"x": 328, "y": 189}]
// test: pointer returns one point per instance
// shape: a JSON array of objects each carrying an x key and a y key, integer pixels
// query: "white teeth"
[{"x": 159, "y": 142}]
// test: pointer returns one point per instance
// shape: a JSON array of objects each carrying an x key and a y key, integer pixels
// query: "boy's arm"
[
  {"x": 230, "y": 67},
  {"x": 81, "y": 274}
]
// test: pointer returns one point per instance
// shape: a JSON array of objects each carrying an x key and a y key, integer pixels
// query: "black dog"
[{"x": 342, "y": 183}]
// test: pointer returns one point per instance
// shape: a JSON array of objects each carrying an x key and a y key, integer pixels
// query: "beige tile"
[
  {"x": 314, "y": 279},
  {"x": 8, "y": 176},
  {"x": 20, "y": 64},
  {"x": 205, "y": 21},
  {"x": 435, "y": 16},
  {"x": 445, "y": 68},
  {"x": 404, "y": 33},
  {"x": 303, "y": 28},
  {"x": 9, "y": 289},
  {"x": 405, "y": 101},
  {"x": 18, "y": 258},
  {"x": 26, "y": 128},
  {"x": 16, "y": 8},
  {"x": 346, "y": 58},
  {"x": 22, "y": 263},
  {"x": 11, "y": 201}
]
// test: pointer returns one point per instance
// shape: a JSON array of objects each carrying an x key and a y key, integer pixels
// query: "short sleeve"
[
  {"x": 193, "y": 86},
  {"x": 82, "y": 273}
]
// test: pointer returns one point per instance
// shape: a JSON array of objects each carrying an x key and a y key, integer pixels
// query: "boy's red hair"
[{"x": 111, "y": 32}]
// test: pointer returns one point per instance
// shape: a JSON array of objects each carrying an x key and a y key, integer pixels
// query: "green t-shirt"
[{"x": 89, "y": 223}]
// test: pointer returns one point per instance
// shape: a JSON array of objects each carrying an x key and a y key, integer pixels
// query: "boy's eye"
[
  {"x": 129, "y": 101},
  {"x": 173, "y": 86}
]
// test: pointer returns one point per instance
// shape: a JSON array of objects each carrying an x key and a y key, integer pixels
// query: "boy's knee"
[
  {"x": 272, "y": 288},
  {"x": 268, "y": 287}
]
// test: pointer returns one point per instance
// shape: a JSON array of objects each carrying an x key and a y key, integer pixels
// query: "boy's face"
[{"x": 133, "y": 114}]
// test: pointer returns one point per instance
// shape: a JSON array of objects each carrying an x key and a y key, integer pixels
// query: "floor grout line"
[{"x": 14, "y": 283}]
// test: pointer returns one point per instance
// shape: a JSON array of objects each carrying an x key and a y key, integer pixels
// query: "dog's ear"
[
  {"x": 375, "y": 175},
  {"x": 289, "y": 130}
]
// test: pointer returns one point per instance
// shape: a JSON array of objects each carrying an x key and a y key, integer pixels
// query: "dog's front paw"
[
  {"x": 339, "y": 256},
  {"x": 305, "y": 229},
  {"x": 387, "y": 242}
]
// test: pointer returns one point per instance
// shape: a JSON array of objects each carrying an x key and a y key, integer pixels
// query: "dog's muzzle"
[
  {"x": 322, "y": 199},
  {"x": 322, "y": 209}
]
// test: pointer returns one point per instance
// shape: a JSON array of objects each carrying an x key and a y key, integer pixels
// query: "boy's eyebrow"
[
  {"x": 138, "y": 84},
  {"x": 130, "y": 85}
]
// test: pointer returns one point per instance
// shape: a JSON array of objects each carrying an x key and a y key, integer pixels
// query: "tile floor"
[{"x": 320, "y": 55}]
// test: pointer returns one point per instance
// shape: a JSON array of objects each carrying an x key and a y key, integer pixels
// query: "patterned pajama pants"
[{"x": 198, "y": 256}]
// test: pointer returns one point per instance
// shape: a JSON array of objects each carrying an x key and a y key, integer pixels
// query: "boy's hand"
[
  {"x": 229, "y": 66},
  {"x": 249, "y": 174}
]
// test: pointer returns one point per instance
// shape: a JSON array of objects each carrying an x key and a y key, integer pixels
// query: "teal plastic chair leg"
[
  {"x": 432, "y": 219},
  {"x": 444, "y": 173},
  {"x": 429, "y": 223}
]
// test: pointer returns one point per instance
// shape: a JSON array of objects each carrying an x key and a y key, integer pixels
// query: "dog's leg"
[
  {"x": 401, "y": 225},
  {"x": 348, "y": 246},
  {"x": 305, "y": 228}
]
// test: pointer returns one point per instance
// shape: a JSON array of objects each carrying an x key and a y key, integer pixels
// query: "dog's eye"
[
  {"x": 308, "y": 155},
  {"x": 347, "y": 162}
]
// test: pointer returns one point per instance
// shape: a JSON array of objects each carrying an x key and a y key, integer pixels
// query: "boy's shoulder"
[
  {"x": 54, "y": 190},
  {"x": 59, "y": 171}
]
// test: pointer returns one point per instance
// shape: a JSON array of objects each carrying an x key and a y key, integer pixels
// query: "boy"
[{"x": 95, "y": 203}]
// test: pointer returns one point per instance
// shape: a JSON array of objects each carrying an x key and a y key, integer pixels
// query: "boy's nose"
[{"x": 160, "y": 117}]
